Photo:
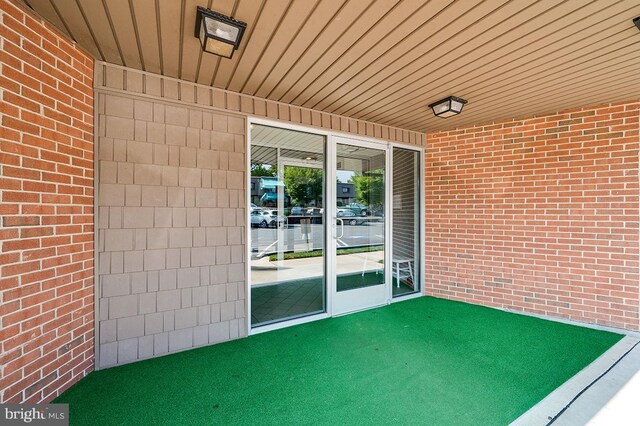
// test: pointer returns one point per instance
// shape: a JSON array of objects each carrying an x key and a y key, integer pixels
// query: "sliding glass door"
[
  {"x": 334, "y": 224},
  {"x": 287, "y": 225},
  {"x": 359, "y": 239}
]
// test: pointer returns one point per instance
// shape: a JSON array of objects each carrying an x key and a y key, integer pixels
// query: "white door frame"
[
  {"x": 349, "y": 301},
  {"x": 421, "y": 229},
  {"x": 330, "y": 211}
]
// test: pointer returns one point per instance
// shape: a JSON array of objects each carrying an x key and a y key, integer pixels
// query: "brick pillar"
[{"x": 46, "y": 188}]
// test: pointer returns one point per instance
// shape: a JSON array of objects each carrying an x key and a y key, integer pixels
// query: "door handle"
[{"x": 341, "y": 227}]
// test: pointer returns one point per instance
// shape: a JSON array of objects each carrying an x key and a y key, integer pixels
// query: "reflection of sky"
[{"x": 344, "y": 175}]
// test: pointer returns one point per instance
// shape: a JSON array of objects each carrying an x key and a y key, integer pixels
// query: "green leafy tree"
[
  {"x": 304, "y": 185},
  {"x": 369, "y": 188},
  {"x": 262, "y": 170}
]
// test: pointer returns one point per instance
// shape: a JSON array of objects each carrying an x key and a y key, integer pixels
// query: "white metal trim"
[
  {"x": 326, "y": 132},
  {"x": 388, "y": 224},
  {"x": 368, "y": 291},
  {"x": 288, "y": 126},
  {"x": 422, "y": 201},
  {"x": 96, "y": 232},
  {"x": 423, "y": 220},
  {"x": 247, "y": 223},
  {"x": 407, "y": 296},
  {"x": 330, "y": 224},
  {"x": 332, "y": 138},
  {"x": 288, "y": 323}
]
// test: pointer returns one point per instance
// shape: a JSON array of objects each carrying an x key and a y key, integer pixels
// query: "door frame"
[
  {"x": 422, "y": 217},
  {"x": 332, "y": 209},
  {"x": 329, "y": 195}
]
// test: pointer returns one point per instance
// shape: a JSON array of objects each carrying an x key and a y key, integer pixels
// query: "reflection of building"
[
  {"x": 255, "y": 190},
  {"x": 346, "y": 192},
  {"x": 264, "y": 191}
]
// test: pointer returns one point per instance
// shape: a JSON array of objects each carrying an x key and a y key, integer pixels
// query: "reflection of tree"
[
  {"x": 262, "y": 170},
  {"x": 304, "y": 185},
  {"x": 369, "y": 188}
]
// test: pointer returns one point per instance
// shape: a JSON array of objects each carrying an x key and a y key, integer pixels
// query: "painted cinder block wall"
[
  {"x": 538, "y": 215},
  {"x": 172, "y": 209},
  {"x": 171, "y": 227},
  {"x": 46, "y": 191}
]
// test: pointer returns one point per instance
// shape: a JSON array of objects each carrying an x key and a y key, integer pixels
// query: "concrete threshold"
[{"x": 612, "y": 396}]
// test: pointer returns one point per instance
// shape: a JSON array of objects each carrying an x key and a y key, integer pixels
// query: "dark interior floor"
[{"x": 291, "y": 299}]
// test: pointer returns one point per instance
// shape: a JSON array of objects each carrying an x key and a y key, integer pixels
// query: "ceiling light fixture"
[
  {"x": 447, "y": 107},
  {"x": 218, "y": 34}
]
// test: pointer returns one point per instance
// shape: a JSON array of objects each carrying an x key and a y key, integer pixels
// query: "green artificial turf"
[{"x": 423, "y": 361}]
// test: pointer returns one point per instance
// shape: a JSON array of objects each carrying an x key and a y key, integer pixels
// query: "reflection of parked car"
[
  {"x": 277, "y": 217},
  {"x": 349, "y": 217},
  {"x": 378, "y": 212},
  {"x": 254, "y": 207},
  {"x": 315, "y": 211},
  {"x": 297, "y": 211},
  {"x": 357, "y": 208},
  {"x": 265, "y": 218}
]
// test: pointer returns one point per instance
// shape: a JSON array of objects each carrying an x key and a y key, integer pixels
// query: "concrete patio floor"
[{"x": 605, "y": 392}]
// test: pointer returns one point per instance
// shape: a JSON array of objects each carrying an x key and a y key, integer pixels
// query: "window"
[
  {"x": 406, "y": 222},
  {"x": 287, "y": 288}
]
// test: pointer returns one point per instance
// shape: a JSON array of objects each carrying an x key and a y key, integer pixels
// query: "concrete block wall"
[
  {"x": 171, "y": 190},
  {"x": 539, "y": 215},
  {"x": 171, "y": 227},
  {"x": 46, "y": 206}
]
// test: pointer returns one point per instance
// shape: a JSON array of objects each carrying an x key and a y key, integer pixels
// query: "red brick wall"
[
  {"x": 538, "y": 215},
  {"x": 46, "y": 189}
]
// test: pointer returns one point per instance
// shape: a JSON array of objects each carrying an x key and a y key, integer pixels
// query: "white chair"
[{"x": 403, "y": 268}]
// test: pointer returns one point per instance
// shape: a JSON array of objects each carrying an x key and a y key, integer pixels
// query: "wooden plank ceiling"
[{"x": 381, "y": 60}]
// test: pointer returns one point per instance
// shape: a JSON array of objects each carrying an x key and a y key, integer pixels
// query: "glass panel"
[
  {"x": 219, "y": 48},
  {"x": 221, "y": 29},
  {"x": 441, "y": 108},
  {"x": 360, "y": 217},
  {"x": 456, "y": 106},
  {"x": 406, "y": 222},
  {"x": 287, "y": 224}
]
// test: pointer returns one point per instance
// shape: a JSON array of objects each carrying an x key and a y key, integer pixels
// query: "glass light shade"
[
  {"x": 448, "y": 107},
  {"x": 441, "y": 108},
  {"x": 218, "y": 34},
  {"x": 448, "y": 113},
  {"x": 221, "y": 30},
  {"x": 456, "y": 106}
]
